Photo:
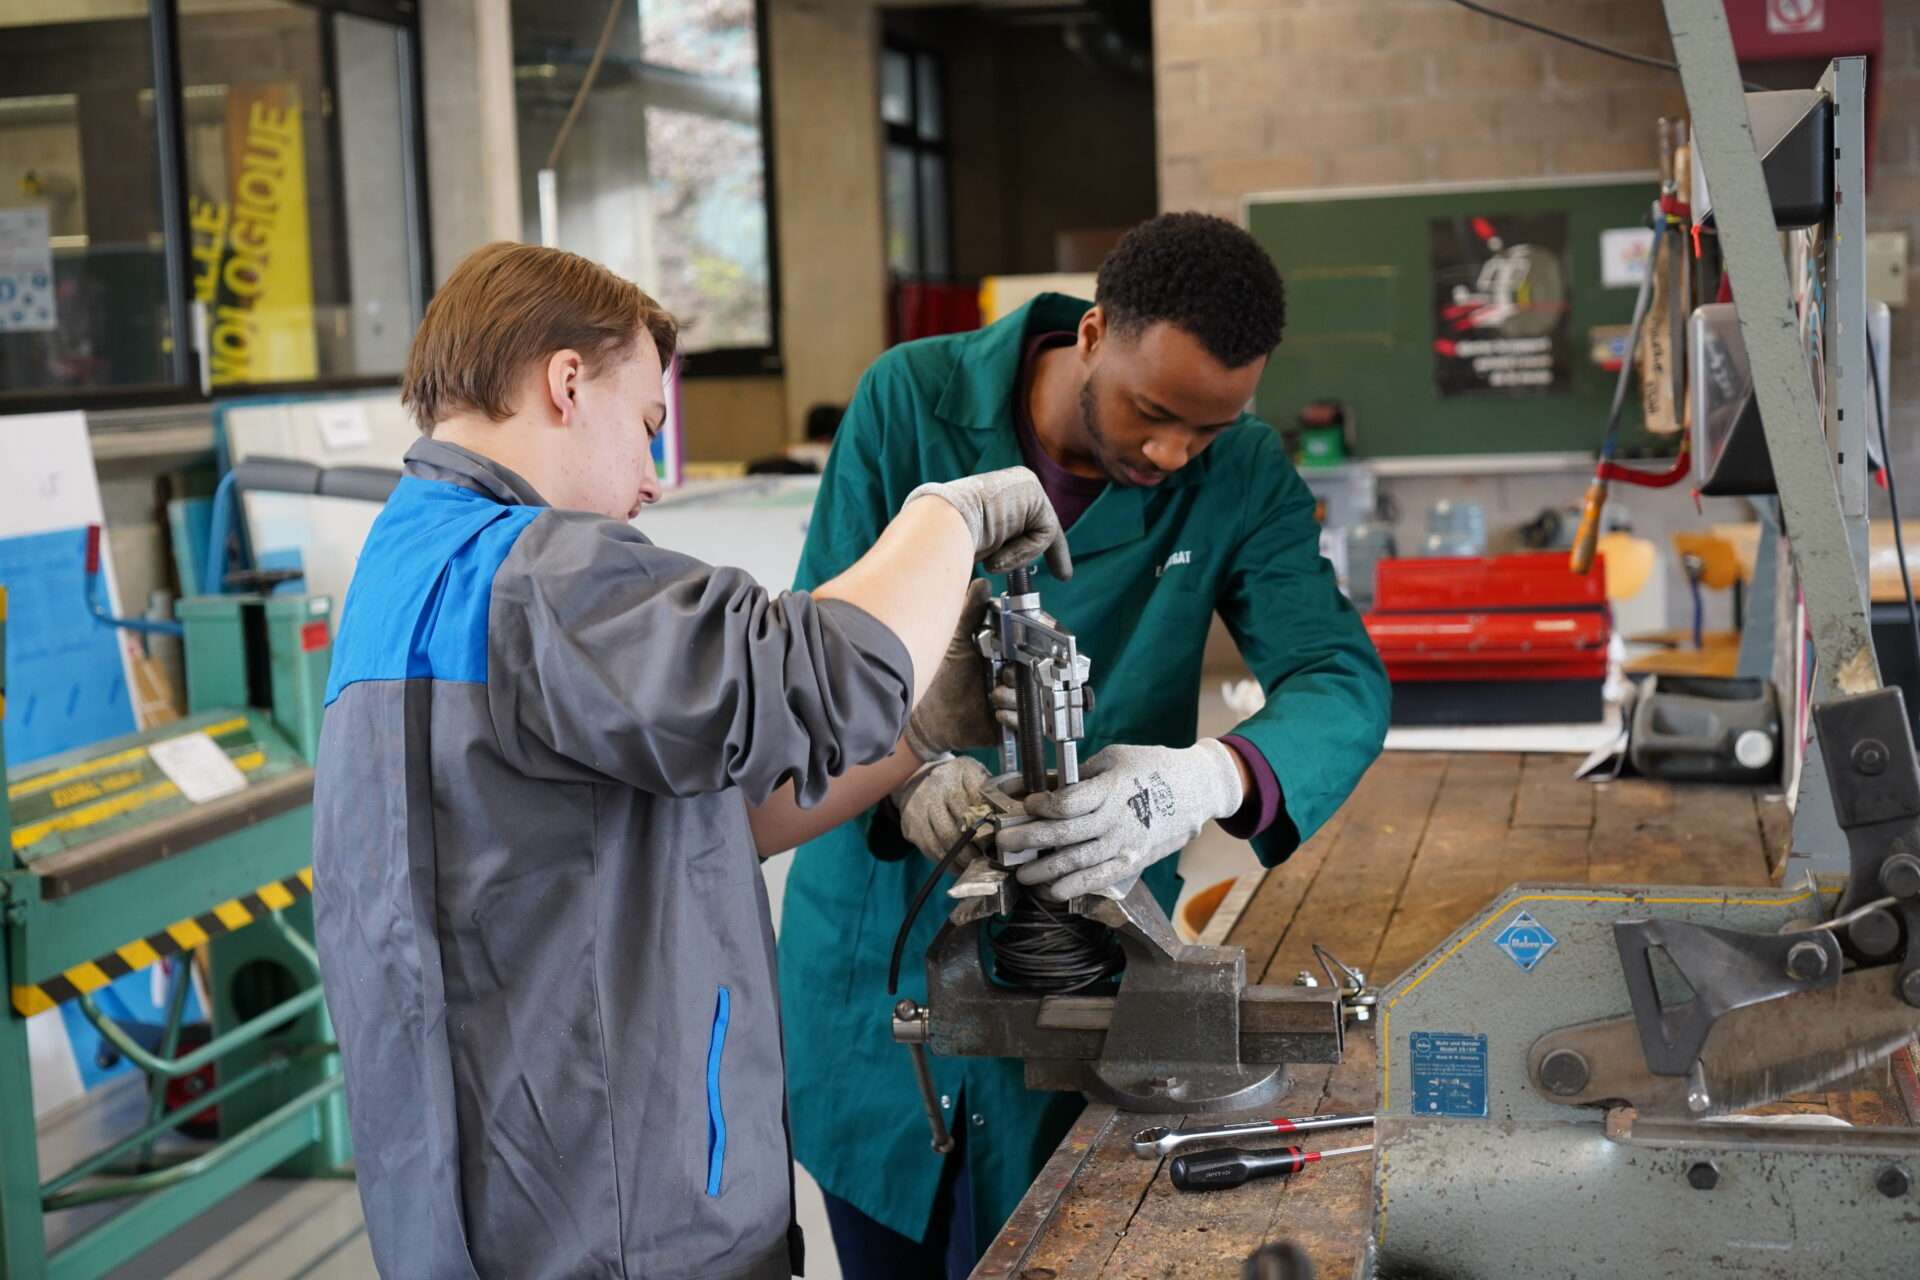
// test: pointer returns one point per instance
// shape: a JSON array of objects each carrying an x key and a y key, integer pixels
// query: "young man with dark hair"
[
  {"x": 551, "y": 753},
  {"x": 1178, "y": 503}
]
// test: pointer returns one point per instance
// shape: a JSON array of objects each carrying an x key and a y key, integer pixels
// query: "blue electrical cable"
[
  {"x": 139, "y": 626},
  {"x": 213, "y": 574}
]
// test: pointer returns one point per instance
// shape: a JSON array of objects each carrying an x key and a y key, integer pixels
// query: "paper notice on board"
[
  {"x": 1623, "y": 256},
  {"x": 67, "y": 675},
  {"x": 195, "y": 763},
  {"x": 26, "y": 270},
  {"x": 343, "y": 426}
]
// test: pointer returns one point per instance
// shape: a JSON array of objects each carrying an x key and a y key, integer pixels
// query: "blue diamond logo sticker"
[{"x": 1525, "y": 940}]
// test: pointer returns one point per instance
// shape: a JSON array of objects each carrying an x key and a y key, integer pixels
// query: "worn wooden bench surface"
[{"x": 1424, "y": 843}]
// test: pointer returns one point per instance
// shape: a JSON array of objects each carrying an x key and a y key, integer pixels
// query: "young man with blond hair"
[{"x": 551, "y": 753}]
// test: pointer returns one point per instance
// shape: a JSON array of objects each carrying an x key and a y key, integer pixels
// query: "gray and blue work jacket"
[{"x": 540, "y": 916}]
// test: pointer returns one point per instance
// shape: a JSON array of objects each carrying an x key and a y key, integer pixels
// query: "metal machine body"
[
  {"x": 1561, "y": 1081},
  {"x": 106, "y": 868},
  {"x": 1183, "y": 1030},
  {"x": 1499, "y": 1159}
]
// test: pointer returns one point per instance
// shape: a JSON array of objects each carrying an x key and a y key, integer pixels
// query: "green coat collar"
[
  {"x": 978, "y": 397},
  {"x": 979, "y": 392}
]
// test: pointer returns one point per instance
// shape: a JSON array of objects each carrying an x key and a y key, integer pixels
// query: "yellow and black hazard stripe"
[{"x": 183, "y": 935}]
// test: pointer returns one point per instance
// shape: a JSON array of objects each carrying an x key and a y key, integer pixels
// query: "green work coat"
[{"x": 1233, "y": 532}]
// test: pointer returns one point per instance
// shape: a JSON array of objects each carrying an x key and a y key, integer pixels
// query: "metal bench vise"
[{"x": 1182, "y": 1030}]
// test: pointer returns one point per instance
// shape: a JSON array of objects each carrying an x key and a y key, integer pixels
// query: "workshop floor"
[
  {"x": 266, "y": 1231},
  {"x": 313, "y": 1230}
]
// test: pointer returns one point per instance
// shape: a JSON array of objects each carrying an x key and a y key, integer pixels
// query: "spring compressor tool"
[{"x": 1117, "y": 1006}]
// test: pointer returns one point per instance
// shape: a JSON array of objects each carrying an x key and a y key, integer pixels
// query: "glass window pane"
[
  {"x": 83, "y": 290},
  {"x": 708, "y": 194},
  {"x": 933, "y": 213},
  {"x": 282, "y": 238},
  {"x": 903, "y": 221},
  {"x": 932, "y": 124},
  {"x": 663, "y": 177},
  {"x": 896, "y": 87}
]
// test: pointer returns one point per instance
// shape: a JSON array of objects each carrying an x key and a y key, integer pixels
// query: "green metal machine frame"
[{"x": 108, "y": 877}]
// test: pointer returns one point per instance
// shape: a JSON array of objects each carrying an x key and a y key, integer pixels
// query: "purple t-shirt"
[{"x": 1071, "y": 495}]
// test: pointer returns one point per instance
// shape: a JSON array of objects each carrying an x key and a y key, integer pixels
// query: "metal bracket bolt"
[
  {"x": 1806, "y": 961},
  {"x": 1910, "y": 988},
  {"x": 1875, "y": 934},
  {"x": 1703, "y": 1175},
  {"x": 1893, "y": 1182},
  {"x": 1900, "y": 876},
  {"x": 1564, "y": 1072},
  {"x": 1165, "y": 1086},
  {"x": 1870, "y": 757}
]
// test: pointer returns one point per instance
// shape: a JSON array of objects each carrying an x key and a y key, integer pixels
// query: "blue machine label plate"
[
  {"x": 1449, "y": 1073},
  {"x": 1525, "y": 940}
]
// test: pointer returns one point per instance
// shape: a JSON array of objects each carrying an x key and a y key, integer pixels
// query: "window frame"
[
  {"x": 188, "y": 385},
  {"x": 908, "y": 137}
]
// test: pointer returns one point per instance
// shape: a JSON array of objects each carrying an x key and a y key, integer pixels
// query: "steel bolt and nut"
[
  {"x": 1870, "y": 757},
  {"x": 1564, "y": 1073},
  {"x": 1900, "y": 876},
  {"x": 1806, "y": 961}
]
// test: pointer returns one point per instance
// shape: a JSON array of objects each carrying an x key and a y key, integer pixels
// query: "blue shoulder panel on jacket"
[{"x": 420, "y": 594}]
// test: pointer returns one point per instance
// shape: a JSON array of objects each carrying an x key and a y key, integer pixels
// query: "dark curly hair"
[{"x": 1198, "y": 273}]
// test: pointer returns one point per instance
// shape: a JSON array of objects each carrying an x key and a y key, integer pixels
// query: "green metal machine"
[{"x": 107, "y": 867}]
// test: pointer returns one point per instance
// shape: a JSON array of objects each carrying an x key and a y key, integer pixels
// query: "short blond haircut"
[{"x": 507, "y": 305}]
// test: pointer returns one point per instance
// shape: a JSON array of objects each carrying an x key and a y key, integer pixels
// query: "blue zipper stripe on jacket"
[{"x": 716, "y": 1118}]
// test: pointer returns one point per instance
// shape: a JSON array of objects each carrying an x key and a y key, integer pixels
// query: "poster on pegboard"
[
  {"x": 1502, "y": 298},
  {"x": 67, "y": 672},
  {"x": 67, "y": 684}
]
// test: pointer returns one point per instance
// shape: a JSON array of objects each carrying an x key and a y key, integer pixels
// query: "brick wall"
[
  {"x": 1271, "y": 94},
  {"x": 1893, "y": 204},
  {"x": 1267, "y": 95}
]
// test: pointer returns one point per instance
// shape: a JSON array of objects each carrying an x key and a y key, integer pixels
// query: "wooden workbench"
[{"x": 1423, "y": 844}]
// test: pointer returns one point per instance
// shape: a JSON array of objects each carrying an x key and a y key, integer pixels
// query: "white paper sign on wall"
[
  {"x": 1623, "y": 256},
  {"x": 1796, "y": 17},
  {"x": 26, "y": 270}
]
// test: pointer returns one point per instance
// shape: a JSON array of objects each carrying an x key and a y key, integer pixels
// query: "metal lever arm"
[{"x": 1727, "y": 970}]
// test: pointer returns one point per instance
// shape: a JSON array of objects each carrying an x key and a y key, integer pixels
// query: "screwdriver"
[{"x": 1231, "y": 1166}]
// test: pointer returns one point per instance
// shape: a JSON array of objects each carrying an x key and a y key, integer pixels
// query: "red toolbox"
[{"x": 1517, "y": 639}]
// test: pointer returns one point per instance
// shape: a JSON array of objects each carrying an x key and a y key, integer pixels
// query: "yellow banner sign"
[{"x": 253, "y": 269}]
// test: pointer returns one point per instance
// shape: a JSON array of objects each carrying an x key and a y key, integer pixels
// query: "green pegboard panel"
[{"x": 1361, "y": 326}]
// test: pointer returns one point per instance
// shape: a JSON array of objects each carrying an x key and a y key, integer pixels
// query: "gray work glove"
[
  {"x": 958, "y": 710},
  {"x": 1135, "y": 806},
  {"x": 935, "y": 803},
  {"x": 1010, "y": 518}
]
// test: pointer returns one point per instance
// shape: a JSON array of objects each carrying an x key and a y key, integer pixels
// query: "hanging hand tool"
[
  {"x": 1152, "y": 1144},
  {"x": 1231, "y": 1166}
]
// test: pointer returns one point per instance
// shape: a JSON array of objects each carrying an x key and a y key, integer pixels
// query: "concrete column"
[
  {"x": 473, "y": 172},
  {"x": 827, "y": 160}
]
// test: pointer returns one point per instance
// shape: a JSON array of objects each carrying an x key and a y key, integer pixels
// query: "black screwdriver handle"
[{"x": 1231, "y": 1166}]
